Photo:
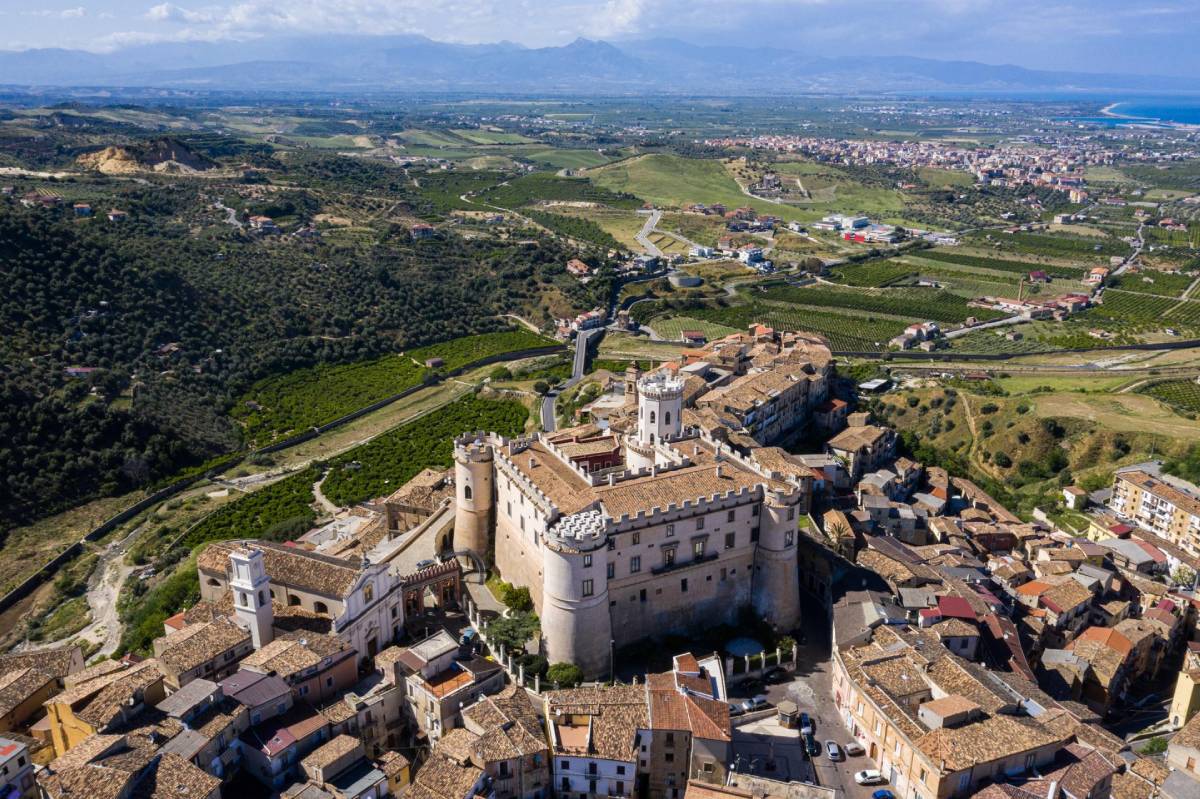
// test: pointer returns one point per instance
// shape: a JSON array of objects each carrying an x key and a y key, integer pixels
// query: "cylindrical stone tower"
[
  {"x": 473, "y": 462},
  {"x": 776, "y": 578},
  {"x": 575, "y": 619}
]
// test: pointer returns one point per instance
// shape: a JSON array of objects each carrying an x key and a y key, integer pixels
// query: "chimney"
[
  {"x": 720, "y": 471},
  {"x": 532, "y": 462}
]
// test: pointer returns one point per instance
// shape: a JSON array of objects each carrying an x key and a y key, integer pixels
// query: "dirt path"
[{"x": 322, "y": 500}]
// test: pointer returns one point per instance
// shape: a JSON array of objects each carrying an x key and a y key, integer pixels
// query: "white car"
[
  {"x": 868, "y": 776},
  {"x": 854, "y": 748}
]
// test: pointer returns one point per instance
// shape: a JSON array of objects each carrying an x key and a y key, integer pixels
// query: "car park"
[
  {"x": 834, "y": 751},
  {"x": 868, "y": 776}
]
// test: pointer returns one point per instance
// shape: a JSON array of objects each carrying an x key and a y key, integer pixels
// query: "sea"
[{"x": 1179, "y": 111}]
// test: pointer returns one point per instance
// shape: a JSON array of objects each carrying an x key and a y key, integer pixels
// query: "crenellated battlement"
[{"x": 687, "y": 509}]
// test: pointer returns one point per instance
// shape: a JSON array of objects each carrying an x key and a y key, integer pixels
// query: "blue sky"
[{"x": 1158, "y": 36}]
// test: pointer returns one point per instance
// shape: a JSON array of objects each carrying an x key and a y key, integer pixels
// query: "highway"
[{"x": 582, "y": 339}]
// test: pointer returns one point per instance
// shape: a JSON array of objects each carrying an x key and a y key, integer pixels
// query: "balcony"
[{"x": 684, "y": 564}]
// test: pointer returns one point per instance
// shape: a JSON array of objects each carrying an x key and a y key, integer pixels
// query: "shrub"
[
  {"x": 535, "y": 664},
  {"x": 518, "y": 599},
  {"x": 564, "y": 675},
  {"x": 501, "y": 373},
  {"x": 989, "y": 408},
  {"x": 541, "y": 387},
  {"x": 1002, "y": 460},
  {"x": 1155, "y": 746}
]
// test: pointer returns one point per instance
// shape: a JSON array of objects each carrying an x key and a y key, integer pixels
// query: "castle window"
[
  {"x": 612, "y": 570},
  {"x": 670, "y": 531},
  {"x": 261, "y": 600},
  {"x": 368, "y": 592},
  {"x": 698, "y": 548},
  {"x": 731, "y": 516},
  {"x": 666, "y": 417},
  {"x": 669, "y": 556},
  {"x": 635, "y": 564},
  {"x": 651, "y": 417},
  {"x": 789, "y": 538},
  {"x": 587, "y": 561},
  {"x": 293, "y": 600},
  {"x": 730, "y": 540},
  {"x": 242, "y": 600},
  {"x": 466, "y": 492},
  {"x": 651, "y": 437},
  {"x": 587, "y": 587},
  {"x": 683, "y": 585},
  {"x": 214, "y": 582},
  {"x": 637, "y": 538},
  {"x": 320, "y": 607},
  {"x": 791, "y": 514},
  {"x": 612, "y": 543},
  {"x": 700, "y": 523}
]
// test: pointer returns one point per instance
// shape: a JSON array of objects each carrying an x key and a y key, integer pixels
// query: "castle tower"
[
  {"x": 776, "y": 574},
  {"x": 633, "y": 373},
  {"x": 473, "y": 496},
  {"x": 660, "y": 405},
  {"x": 574, "y": 613},
  {"x": 252, "y": 595}
]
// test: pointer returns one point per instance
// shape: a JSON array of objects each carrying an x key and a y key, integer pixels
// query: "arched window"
[
  {"x": 261, "y": 600},
  {"x": 242, "y": 596},
  {"x": 651, "y": 417},
  {"x": 293, "y": 600},
  {"x": 320, "y": 607},
  {"x": 667, "y": 417},
  {"x": 651, "y": 438},
  {"x": 214, "y": 581},
  {"x": 466, "y": 492}
]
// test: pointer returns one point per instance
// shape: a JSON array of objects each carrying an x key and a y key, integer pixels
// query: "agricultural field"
[
  {"x": 912, "y": 303},
  {"x": 861, "y": 333},
  {"x": 545, "y": 187},
  {"x": 622, "y": 225},
  {"x": 945, "y": 178},
  {"x": 484, "y": 136},
  {"x": 1150, "y": 281},
  {"x": 1086, "y": 248},
  {"x": 278, "y": 512},
  {"x": 389, "y": 461},
  {"x": 672, "y": 181},
  {"x": 672, "y": 327},
  {"x": 580, "y": 229},
  {"x": 877, "y": 273},
  {"x": 823, "y": 188},
  {"x": 704, "y": 230},
  {"x": 952, "y": 256},
  {"x": 1183, "y": 395},
  {"x": 306, "y": 398}
]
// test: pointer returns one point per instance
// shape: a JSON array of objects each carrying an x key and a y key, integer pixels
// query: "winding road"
[
  {"x": 643, "y": 236},
  {"x": 582, "y": 341}
]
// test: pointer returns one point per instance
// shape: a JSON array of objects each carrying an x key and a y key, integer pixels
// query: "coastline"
[{"x": 1109, "y": 112}]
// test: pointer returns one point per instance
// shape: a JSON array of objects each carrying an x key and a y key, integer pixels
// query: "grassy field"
[
  {"x": 945, "y": 178},
  {"x": 847, "y": 331},
  {"x": 622, "y": 225},
  {"x": 1001, "y": 265},
  {"x": 673, "y": 182},
  {"x": 481, "y": 136},
  {"x": 673, "y": 327}
]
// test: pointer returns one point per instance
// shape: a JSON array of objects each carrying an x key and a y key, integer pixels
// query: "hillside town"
[{"x": 924, "y": 641}]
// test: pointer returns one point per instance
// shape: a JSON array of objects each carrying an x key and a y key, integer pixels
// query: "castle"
[{"x": 651, "y": 526}]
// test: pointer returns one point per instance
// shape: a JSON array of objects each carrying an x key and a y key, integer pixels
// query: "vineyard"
[
  {"x": 389, "y": 461},
  {"x": 873, "y": 273},
  {"x": 539, "y": 186},
  {"x": 307, "y": 398},
  {"x": 912, "y": 303},
  {"x": 1000, "y": 264},
  {"x": 1181, "y": 394},
  {"x": 1153, "y": 282},
  {"x": 459, "y": 352},
  {"x": 846, "y": 333},
  {"x": 278, "y": 512}
]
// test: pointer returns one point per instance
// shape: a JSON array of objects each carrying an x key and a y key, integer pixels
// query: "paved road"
[
  {"x": 643, "y": 236},
  {"x": 1137, "y": 250},
  {"x": 1009, "y": 320},
  {"x": 582, "y": 339}
]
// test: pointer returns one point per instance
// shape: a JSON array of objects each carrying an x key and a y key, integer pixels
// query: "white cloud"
[{"x": 59, "y": 13}]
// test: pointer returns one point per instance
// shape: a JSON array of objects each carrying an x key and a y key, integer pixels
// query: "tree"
[
  {"x": 541, "y": 387},
  {"x": 564, "y": 675},
  {"x": 513, "y": 631},
  {"x": 1183, "y": 576}
]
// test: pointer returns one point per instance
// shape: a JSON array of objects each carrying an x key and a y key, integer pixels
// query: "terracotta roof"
[
  {"x": 114, "y": 697},
  {"x": 289, "y": 566},
  {"x": 18, "y": 685},
  {"x": 1065, "y": 596},
  {"x": 507, "y": 726},
  {"x": 329, "y": 752},
  {"x": 1162, "y": 490},
  {"x": 56, "y": 661},
  {"x": 292, "y": 654},
  {"x": 184, "y": 650},
  {"x": 615, "y": 714},
  {"x": 1188, "y": 735},
  {"x": 985, "y": 741},
  {"x": 855, "y": 438},
  {"x": 950, "y": 706}
]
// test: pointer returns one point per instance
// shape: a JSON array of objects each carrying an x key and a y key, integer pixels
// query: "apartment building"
[
  {"x": 16, "y": 771},
  {"x": 441, "y": 679},
  {"x": 1167, "y": 506},
  {"x": 596, "y": 739},
  {"x": 209, "y": 650}
]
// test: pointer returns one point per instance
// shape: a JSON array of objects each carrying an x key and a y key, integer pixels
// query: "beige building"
[
  {"x": 678, "y": 537},
  {"x": 209, "y": 650},
  {"x": 936, "y": 726},
  {"x": 863, "y": 448},
  {"x": 689, "y": 737},
  {"x": 595, "y": 739},
  {"x": 1167, "y": 506},
  {"x": 105, "y": 702},
  {"x": 1186, "y": 699},
  {"x": 439, "y": 683}
]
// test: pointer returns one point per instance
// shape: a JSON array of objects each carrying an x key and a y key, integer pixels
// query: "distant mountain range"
[{"x": 342, "y": 62}]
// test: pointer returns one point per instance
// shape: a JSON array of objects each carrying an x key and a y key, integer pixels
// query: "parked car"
[
  {"x": 806, "y": 725},
  {"x": 735, "y": 709},
  {"x": 868, "y": 776},
  {"x": 883, "y": 793},
  {"x": 428, "y": 563},
  {"x": 834, "y": 751},
  {"x": 811, "y": 746},
  {"x": 854, "y": 748},
  {"x": 777, "y": 676},
  {"x": 757, "y": 703}
]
